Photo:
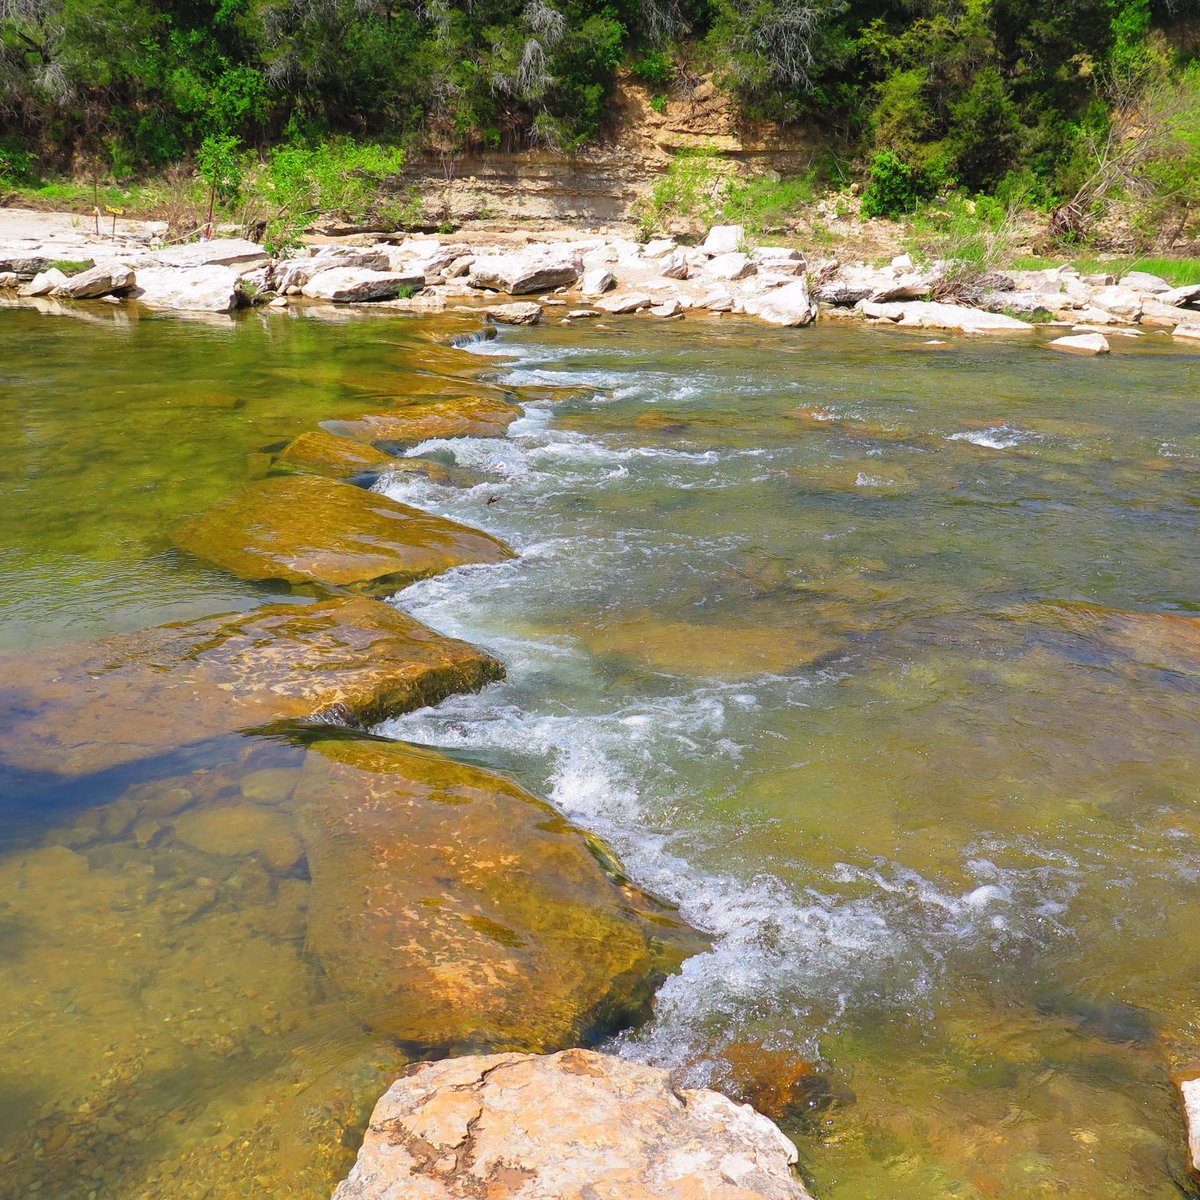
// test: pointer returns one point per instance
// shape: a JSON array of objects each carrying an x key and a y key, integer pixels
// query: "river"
[{"x": 823, "y": 630}]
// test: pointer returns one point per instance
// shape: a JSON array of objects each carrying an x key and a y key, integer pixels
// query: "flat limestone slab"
[
  {"x": 74, "y": 709},
  {"x": 304, "y": 529},
  {"x": 457, "y": 912},
  {"x": 470, "y": 416},
  {"x": 570, "y": 1126}
]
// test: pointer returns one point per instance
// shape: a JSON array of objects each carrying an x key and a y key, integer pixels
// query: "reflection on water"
[{"x": 796, "y": 625}]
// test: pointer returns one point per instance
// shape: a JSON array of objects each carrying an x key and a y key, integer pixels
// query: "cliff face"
[{"x": 601, "y": 185}]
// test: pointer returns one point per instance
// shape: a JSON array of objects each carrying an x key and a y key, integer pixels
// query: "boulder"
[
  {"x": 9, "y": 280},
  {"x": 1083, "y": 343},
  {"x": 718, "y": 300},
  {"x": 45, "y": 282},
  {"x": 319, "y": 452},
  {"x": 1165, "y": 316},
  {"x": 303, "y": 529},
  {"x": 923, "y": 314},
  {"x": 724, "y": 239},
  {"x": 788, "y": 305},
  {"x": 218, "y": 252},
  {"x": 624, "y": 302},
  {"x": 851, "y": 284},
  {"x": 675, "y": 266},
  {"x": 1144, "y": 284},
  {"x": 195, "y": 289},
  {"x": 570, "y": 1126},
  {"x": 734, "y": 265},
  {"x": 519, "y": 274},
  {"x": 358, "y": 285},
  {"x": 668, "y": 308},
  {"x": 658, "y": 247},
  {"x": 518, "y": 313},
  {"x": 76, "y": 709},
  {"x": 456, "y": 912},
  {"x": 782, "y": 259},
  {"x": 467, "y": 416},
  {"x": 1189, "y": 1089},
  {"x": 1182, "y": 297},
  {"x": 1124, "y": 304},
  {"x": 597, "y": 281},
  {"x": 296, "y": 272},
  {"x": 1187, "y": 332},
  {"x": 236, "y": 830},
  {"x": 100, "y": 280}
]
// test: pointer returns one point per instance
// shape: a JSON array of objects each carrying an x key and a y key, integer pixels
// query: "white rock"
[
  {"x": 296, "y": 272},
  {"x": 357, "y": 285},
  {"x": 718, "y": 300},
  {"x": 536, "y": 270},
  {"x": 220, "y": 252},
  {"x": 195, "y": 289},
  {"x": 1145, "y": 284},
  {"x": 44, "y": 283},
  {"x": 100, "y": 280},
  {"x": 459, "y": 267},
  {"x": 1097, "y": 316},
  {"x": 624, "y": 302},
  {"x": 789, "y": 305},
  {"x": 1182, "y": 296},
  {"x": 1124, "y": 304},
  {"x": 570, "y": 1125},
  {"x": 1082, "y": 343},
  {"x": 668, "y": 308},
  {"x": 733, "y": 265},
  {"x": 657, "y": 247},
  {"x": 724, "y": 239},
  {"x": 597, "y": 281},
  {"x": 520, "y": 312},
  {"x": 9, "y": 279},
  {"x": 1187, "y": 332},
  {"x": 278, "y": 302},
  {"x": 1190, "y": 1090},
  {"x": 902, "y": 262},
  {"x": 926, "y": 314},
  {"x": 579, "y": 314}
]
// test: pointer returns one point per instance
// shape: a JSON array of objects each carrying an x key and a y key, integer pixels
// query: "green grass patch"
[
  {"x": 69, "y": 266},
  {"x": 1176, "y": 271}
]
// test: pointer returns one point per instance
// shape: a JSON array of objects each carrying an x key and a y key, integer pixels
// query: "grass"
[{"x": 1176, "y": 271}]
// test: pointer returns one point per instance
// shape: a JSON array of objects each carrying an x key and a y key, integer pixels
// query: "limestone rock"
[
  {"x": 1190, "y": 1091},
  {"x": 624, "y": 302},
  {"x": 518, "y": 313},
  {"x": 1123, "y": 303},
  {"x": 219, "y": 252},
  {"x": 75, "y": 709},
  {"x": 596, "y": 282},
  {"x": 1144, "y": 284},
  {"x": 668, "y": 308},
  {"x": 921, "y": 314},
  {"x": 296, "y": 272},
  {"x": 304, "y": 529},
  {"x": 235, "y": 830},
  {"x": 658, "y": 247},
  {"x": 9, "y": 280},
  {"x": 724, "y": 239},
  {"x": 782, "y": 259},
  {"x": 358, "y": 285},
  {"x": 100, "y": 280},
  {"x": 1187, "y": 332},
  {"x": 1083, "y": 343},
  {"x": 675, "y": 266},
  {"x": 519, "y": 274},
  {"x": 44, "y": 282},
  {"x": 1181, "y": 297},
  {"x": 468, "y": 416},
  {"x": 1165, "y": 316},
  {"x": 570, "y": 1126},
  {"x": 458, "y": 912},
  {"x": 195, "y": 289},
  {"x": 789, "y": 305},
  {"x": 320, "y": 452}
]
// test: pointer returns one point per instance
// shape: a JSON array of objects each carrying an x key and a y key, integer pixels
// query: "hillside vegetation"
[{"x": 1062, "y": 105}]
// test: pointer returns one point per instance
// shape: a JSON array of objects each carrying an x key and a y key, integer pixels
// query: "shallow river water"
[{"x": 812, "y": 625}]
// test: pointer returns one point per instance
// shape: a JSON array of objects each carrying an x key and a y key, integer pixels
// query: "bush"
[
  {"x": 656, "y": 68},
  {"x": 894, "y": 188}
]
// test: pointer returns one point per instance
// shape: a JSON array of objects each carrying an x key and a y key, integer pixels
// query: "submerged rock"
[
  {"x": 304, "y": 529},
  {"x": 74, "y": 709},
  {"x": 459, "y": 912},
  {"x": 323, "y": 453},
  {"x": 467, "y": 416},
  {"x": 570, "y": 1126}
]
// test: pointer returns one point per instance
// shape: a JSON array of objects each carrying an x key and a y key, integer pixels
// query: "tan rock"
[
  {"x": 1082, "y": 343},
  {"x": 240, "y": 829},
  {"x": 458, "y": 912},
  {"x": 467, "y": 416},
  {"x": 519, "y": 312},
  {"x": 77, "y": 708},
  {"x": 570, "y": 1126},
  {"x": 304, "y": 529},
  {"x": 323, "y": 453}
]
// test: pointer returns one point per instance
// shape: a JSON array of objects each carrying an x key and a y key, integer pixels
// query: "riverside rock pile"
[{"x": 587, "y": 276}]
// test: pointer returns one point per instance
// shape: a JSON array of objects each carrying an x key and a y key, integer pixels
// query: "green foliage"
[
  {"x": 692, "y": 189},
  {"x": 656, "y": 68},
  {"x": 220, "y": 166},
  {"x": 659, "y": 102},
  {"x": 71, "y": 266},
  {"x": 893, "y": 188}
]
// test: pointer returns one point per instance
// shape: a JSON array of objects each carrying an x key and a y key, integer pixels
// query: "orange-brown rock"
[
  {"x": 469, "y": 416},
  {"x": 1167, "y": 641},
  {"x": 458, "y": 912},
  {"x": 304, "y": 530},
  {"x": 320, "y": 452},
  {"x": 79, "y": 708},
  {"x": 780, "y": 1084}
]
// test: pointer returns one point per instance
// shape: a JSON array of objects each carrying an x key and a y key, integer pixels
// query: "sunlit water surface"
[{"x": 787, "y": 628}]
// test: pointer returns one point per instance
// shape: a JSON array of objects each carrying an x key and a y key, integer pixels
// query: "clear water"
[{"x": 783, "y": 629}]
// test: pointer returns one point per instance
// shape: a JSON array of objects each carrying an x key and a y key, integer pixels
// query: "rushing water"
[{"x": 792, "y": 626}]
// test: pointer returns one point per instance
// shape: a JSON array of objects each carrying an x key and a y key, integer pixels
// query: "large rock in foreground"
[
  {"x": 302, "y": 529},
  {"x": 518, "y": 274},
  {"x": 74, "y": 709},
  {"x": 459, "y": 913},
  {"x": 465, "y": 416},
  {"x": 570, "y": 1126},
  {"x": 211, "y": 288}
]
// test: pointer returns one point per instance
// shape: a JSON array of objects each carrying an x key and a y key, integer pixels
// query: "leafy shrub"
[
  {"x": 656, "y": 68},
  {"x": 894, "y": 188}
]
